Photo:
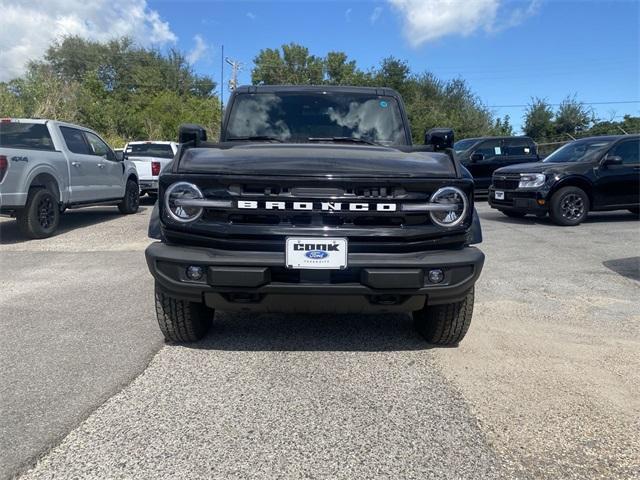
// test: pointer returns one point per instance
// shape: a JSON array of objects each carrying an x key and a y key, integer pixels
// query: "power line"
[{"x": 558, "y": 104}]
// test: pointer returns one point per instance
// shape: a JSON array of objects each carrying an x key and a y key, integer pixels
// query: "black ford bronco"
[{"x": 315, "y": 200}]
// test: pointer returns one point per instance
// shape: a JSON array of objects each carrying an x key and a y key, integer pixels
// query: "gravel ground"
[
  {"x": 76, "y": 327},
  {"x": 544, "y": 385}
]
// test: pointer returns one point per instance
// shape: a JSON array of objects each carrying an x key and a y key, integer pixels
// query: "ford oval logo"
[{"x": 316, "y": 254}]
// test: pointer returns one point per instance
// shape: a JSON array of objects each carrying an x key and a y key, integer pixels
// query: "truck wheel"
[
  {"x": 569, "y": 206},
  {"x": 181, "y": 320},
  {"x": 131, "y": 200},
  {"x": 40, "y": 216},
  {"x": 445, "y": 324}
]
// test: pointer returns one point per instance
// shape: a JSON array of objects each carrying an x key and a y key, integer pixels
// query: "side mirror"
[
  {"x": 190, "y": 132},
  {"x": 439, "y": 138},
  {"x": 119, "y": 156},
  {"x": 477, "y": 157},
  {"x": 611, "y": 160}
]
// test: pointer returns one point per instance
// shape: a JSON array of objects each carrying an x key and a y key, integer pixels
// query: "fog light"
[
  {"x": 436, "y": 275},
  {"x": 194, "y": 272}
]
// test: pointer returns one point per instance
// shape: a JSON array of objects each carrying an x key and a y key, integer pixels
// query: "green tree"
[
  {"x": 572, "y": 117},
  {"x": 538, "y": 121},
  {"x": 294, "y": 66},
  {"x": 123, "y": 91}
]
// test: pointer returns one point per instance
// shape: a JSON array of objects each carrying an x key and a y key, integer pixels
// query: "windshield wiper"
[
  {"x": 342, "y": 139},
  {"x": 257, "y": 138}
]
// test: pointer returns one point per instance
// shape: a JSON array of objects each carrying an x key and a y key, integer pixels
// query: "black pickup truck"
[{"x": 315, "y": 200}]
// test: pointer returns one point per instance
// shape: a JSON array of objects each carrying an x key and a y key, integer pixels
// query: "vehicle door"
[
  {"x": 482, "y": 169},
  {"x": 82, "y": 166},
  {"x": 519, "y": 150},
  {"x": 619, "y": 184},
  {"x": 109, "y": 176}
]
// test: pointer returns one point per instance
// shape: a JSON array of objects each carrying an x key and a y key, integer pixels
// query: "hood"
[
  {"x": 317, "y": 160},
  {"x": 534, "y": 167}
]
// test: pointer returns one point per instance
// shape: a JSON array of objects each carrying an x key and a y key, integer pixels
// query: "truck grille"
[
  {"x": 247, "y": 224},
  {"x": 506, "y": 182}
]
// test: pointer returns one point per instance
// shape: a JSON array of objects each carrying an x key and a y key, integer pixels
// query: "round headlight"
[
  {"x": 456, "y": 199},
  {"x": 176, "y": 201}
]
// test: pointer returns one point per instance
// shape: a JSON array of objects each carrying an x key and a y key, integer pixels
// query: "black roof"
[
  {"x": 496, "y": 138},
  {"x": 316, "y": 88}
]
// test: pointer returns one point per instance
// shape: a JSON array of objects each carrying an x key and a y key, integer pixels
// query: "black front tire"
[
  {"x": 41, "y": 215},
  {"x": 513, "y": 213},
  {"x": 181, "y": 320},
  {"x": 445, "y": 324},
  {"x": 131, "y": 200},
  {"x": 569, "y": 206}
]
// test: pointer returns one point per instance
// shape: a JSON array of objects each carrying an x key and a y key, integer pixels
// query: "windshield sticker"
[
  {"x": 498, "y": 150},
  {"x": 384, "y": 103}
]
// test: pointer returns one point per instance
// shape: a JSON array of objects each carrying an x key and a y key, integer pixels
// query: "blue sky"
[
  {"x": 508, "y": 50},
  {"x": 554, "y": 48}
]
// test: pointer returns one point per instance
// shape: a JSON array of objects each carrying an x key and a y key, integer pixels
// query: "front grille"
[
  {"x": 260, "y": 229},
  {"x": 506, "y": 182}
]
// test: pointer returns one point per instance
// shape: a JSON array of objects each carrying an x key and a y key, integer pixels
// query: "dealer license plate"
[
  {"x": 316, "y": 253},
  {"x": 499, "y": 195}
]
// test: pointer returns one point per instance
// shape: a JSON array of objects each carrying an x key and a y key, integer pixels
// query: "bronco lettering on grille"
[{"x": 322, "y": 206}]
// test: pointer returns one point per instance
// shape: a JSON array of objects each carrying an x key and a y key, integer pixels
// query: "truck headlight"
[
  {"x": 177, "y": 196},
  {"x": 531, "y": 180},
  {"x": 456, "y": 200}
]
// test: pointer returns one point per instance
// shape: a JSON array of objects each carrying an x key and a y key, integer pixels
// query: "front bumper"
[
  {"x": 525, "y": 201},
  {"x": 259, "y": 280}
]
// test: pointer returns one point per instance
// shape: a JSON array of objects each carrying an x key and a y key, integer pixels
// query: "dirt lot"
[{"x": 544, "y": 385}]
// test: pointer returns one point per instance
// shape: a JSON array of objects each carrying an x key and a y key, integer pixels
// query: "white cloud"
[
  {"x": 198, "y": 50},
  {"x": 347, "y": 14},
  {"x": 27, "y": 28},
  {"x": 375, "y": 15},
  {"x": 251, "y": 16},
  {"x": 427, "y": 20}
]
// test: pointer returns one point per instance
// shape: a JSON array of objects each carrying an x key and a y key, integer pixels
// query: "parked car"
[
  {"x": 332, "y": 210},
  {"x": 590, "y": 174},
  {"x": 150, "y": 157},
  {"x": 482, "y": 156},
  {"x": 47, "y": 166}
]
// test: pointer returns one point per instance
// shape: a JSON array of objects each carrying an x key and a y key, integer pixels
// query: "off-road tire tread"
[
  {"x": 25, "y": 220},
  {"x": 124, "y": 206},
  {"x": 445, "y": 324},
  {"x": 181, "y": 320}
]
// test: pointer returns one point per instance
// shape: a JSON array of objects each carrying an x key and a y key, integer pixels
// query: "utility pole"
[
  {"x": 235, "y": 68},
  {"x": 221, "y": 84}
]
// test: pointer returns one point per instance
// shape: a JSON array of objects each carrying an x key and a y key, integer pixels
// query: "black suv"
[
  {"x": 482, "y": 156},
  {"x": 315, "y": 200},
  {"x": 596, "y": 173}
]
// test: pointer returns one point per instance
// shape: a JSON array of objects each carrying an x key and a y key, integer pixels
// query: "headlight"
[
  {"x": 174, "y": 197},
  {"x": 457, "y": 202},
  {"x": 531, "y": 180}
]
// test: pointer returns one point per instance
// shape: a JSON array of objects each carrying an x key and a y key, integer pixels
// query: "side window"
[
  {"x": 490, "y": 148},
  {"x": 629, "y": 151},
  {"x": 519, "y": 146},
  {"x": 98, "y": 147},
  {"x": 75, "y": 141}
]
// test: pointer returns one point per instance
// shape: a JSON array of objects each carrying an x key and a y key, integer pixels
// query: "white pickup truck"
[
  {"x": 47, "y": 166},
  {"x": 149, "y": 158}
]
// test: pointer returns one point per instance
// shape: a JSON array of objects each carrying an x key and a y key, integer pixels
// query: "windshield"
[
  {"x": 578, "y": 151},
  {"x": 302, "y": 117},
  {"x": 161, "y": 150},
  {"x": 462, "y": 145}
]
